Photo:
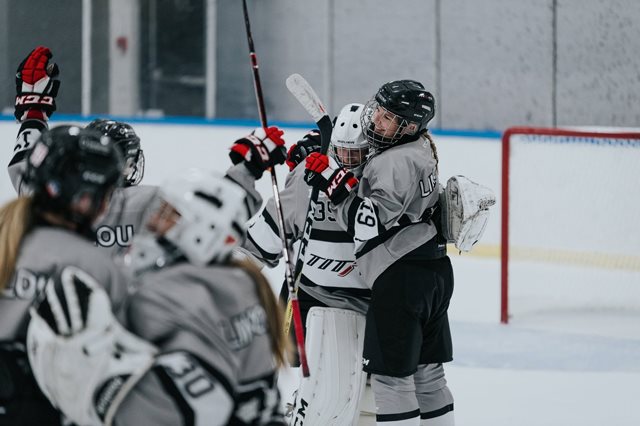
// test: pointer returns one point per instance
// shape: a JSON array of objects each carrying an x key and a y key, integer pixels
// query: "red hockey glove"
[
  {"x": 36, "y": 85},
  {"x": 305, "y": 146},
  {"x": 324, "y": 173},
  {"x": 259, "y": 150}
]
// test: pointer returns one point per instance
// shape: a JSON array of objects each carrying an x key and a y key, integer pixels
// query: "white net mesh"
[{"x": 574, "y": 228}]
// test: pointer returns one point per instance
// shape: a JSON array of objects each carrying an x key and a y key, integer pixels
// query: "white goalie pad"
[
  {"x": 465, "y": 213},
  {"x": 331, "y": 394}
]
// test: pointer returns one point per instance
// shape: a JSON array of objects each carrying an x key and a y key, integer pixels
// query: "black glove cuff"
[{"x": 278, "y": 155}]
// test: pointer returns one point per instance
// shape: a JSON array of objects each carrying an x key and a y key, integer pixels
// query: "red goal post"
[{"x": 554, "y": 151}]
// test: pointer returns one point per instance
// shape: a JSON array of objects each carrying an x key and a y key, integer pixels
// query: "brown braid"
[{"x": 433, "y": 148}]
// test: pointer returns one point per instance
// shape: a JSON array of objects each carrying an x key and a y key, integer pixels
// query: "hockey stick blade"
[
  {"x": 304, "y": 93},
  {"x": 308, "y": 98}
]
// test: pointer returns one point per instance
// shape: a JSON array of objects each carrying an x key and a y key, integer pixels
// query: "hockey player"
[
  {"x": 37, "y": 86},
  {"x": 71, "y": 173},
  {"x": 128, "y": 142},
  {"x": 389, "y": 214},
  {"x": 132, "y": 204},
  {"x": 333, "y": 296},
  {"x": 214, "y": 323},
  {"x": 186, "y": 268}
]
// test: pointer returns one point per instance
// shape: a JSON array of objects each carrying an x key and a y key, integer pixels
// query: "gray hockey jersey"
[
  {"x": 130, "y": 207},
  {"x": 42, "y": 250},
  {"x": 128, "y": 210},
  {"x": 330, "y": 273},
  {"x": 213, "y": 314},
  {"x": 389, "y": 215}
]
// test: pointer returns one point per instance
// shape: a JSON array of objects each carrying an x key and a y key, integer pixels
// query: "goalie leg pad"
[{"x": 331, "y": 395}]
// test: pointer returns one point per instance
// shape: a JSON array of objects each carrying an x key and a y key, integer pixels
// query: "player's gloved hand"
[
  {"x": 259, "y": 150},
  {"x": 36, "y": 85},
  {"x": 305, "y": 146},
  {"x": 324, "y": 173}
]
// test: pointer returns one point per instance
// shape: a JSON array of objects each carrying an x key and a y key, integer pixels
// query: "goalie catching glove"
[
  {"x": 36, "y": 86},
  {"x": 324, "y": 173},
  {"x": 465, "y": 215},
  {"x": 81, "y": 357},
  {"x": 259, "y": 150}
]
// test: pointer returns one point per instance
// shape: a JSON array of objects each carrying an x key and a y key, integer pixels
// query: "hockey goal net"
[{"x": 570, "y": 221}]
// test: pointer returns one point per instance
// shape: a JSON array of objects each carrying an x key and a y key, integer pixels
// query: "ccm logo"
[
  {"x": 34, "y": 99},
  {"x": 336, "y": 181}
]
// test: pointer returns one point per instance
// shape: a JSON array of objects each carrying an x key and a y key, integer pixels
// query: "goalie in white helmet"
[
  {"x": 333, "y": 296},
  {"x": 348, "y": 146}
]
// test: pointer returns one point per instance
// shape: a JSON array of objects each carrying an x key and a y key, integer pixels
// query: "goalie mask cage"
[{"x": 570, "y": 222}]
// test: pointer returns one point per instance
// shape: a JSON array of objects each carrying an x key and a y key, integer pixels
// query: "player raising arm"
[{"x": 37, "y": 85}]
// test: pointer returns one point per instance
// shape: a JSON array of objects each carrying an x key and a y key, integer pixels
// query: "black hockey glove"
[
  {"x": 36, "y": 85},
  {"x": 324, "y": 173},
  {"x": 259, "y": 150},
  {"x": 305, "y": 146}
]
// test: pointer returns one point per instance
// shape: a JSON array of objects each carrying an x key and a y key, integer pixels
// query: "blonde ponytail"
[
  {"x": 280, "y": 344},
  {"x": 16, "y": 219}
]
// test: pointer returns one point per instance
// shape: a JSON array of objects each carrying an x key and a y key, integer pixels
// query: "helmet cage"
[
  {"x": 400, "y": 111},
  {"x": 348, "y": 145},
  {"x": 349, "y": 158},
  {"x": 134, "y": 164},
  {"x": 383, "y": 128},
  {"x": 128, "y": 142}
]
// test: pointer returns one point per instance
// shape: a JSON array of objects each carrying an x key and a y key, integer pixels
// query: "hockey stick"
[
  {"x": 295, "y": 307},
  {"x": 304, "y": 93}
]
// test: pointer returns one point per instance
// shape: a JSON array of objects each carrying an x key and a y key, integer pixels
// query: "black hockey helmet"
[
  {"x": 400, "y": 110},
  {"x": 128, "y": 143},
  {"x": 71, "y": 171}
]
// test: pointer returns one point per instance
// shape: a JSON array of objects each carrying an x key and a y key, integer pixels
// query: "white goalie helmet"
[
  {"x": 212, "y": 215},
  {"x": 349, "y": 147},
  {"x": 202, "y": 217}
]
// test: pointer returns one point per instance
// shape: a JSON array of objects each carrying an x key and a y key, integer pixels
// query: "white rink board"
[
  {"x": 170, "y": 149},
  {"x": 558, "y": 370}
]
